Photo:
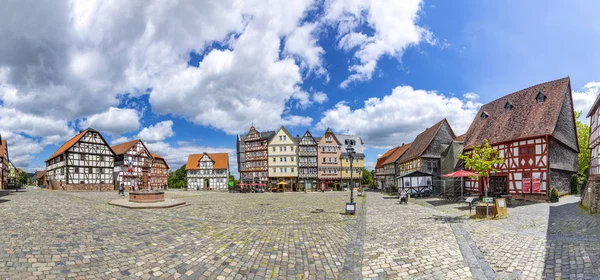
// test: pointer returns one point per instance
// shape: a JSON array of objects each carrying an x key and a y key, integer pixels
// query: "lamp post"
[{"x": 350, "y": 207}]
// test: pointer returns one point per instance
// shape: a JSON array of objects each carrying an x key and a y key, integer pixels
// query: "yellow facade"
[
  {"x": 283, "y": 155},
  {"x": 357, "y": 165}
]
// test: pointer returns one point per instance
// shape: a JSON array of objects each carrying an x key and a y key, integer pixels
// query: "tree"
[
  {"x": 22, "y": 178},
  {"x": 177, "y": 179},
  {"x": 583, "y": 137},
  {"x": 367, "y": 177},
  {"x": 482, "y": 160}
]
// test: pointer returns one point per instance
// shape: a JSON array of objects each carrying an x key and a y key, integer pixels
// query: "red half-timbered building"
[
  {"x": 534, "y": 131},
  {"x": 159, "y": 173},
  {"x": 256, "y": 157}
]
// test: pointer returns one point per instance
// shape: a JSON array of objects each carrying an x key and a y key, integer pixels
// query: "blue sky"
[{"x": 186, "y": 78}]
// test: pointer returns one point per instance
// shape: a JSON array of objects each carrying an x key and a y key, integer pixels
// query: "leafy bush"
[
  {"x": 554, "y": 193},
  {"x": 394, "y": 189},
  {"x": 575, "y": 184}
]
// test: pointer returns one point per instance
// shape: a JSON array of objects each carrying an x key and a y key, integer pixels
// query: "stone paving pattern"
[{"x": 77, "y": 235}]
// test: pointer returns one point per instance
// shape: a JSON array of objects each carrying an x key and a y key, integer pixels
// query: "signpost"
[
  {"x": 487, "y": 200},
  {"x": 501, "y": 210}
]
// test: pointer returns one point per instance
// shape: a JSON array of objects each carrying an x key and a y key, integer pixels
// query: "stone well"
[{"x": 146, "y": 197}]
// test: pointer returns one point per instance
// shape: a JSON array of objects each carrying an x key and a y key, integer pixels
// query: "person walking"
[{"x": 122, "y": 189}]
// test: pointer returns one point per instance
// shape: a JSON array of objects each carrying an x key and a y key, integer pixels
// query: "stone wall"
[
  {"x": 89, "y": 187},
  {"x": 592, "y": 200},
  {"x": 561, "y": 181}
]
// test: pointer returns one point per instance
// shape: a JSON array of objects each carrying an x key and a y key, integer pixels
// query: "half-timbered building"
[
  {"x": 307, "y": 162},
  {"x": 591, "y": 194},
  {"x": 329, "y": 152},
  {"x": 85, "y": 162},
  {"x": 390, "y": 166},
  {"x": 283, "y": 161},
  {"x": 425, "y": 152},
  {"x": 358, "y": 162},
  {"x": 241, "y": 154},
  {"x": 40, "y": 178},
  {"x": 13, "y": 175},
  {"x": 132, "y": 165},
  {"x": 534, "y": 131},
  {"x": 4, "y": 160},
  {"x": 159, "y": 173},
  {"x": 256, "y": 157},
  {"x": 380, "y": 174},
  {"x": 207, "y": 171}
]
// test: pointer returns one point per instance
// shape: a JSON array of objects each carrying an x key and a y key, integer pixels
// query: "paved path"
[{"x": 50, "y": 234}]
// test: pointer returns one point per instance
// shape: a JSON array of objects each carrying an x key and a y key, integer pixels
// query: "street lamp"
[{"x": 350, "y": 207}]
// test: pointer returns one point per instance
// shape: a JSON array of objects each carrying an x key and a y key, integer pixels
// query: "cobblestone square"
[{"x": 77, "y": 235}]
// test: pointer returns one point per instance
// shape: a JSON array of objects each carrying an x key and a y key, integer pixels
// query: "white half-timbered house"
[
  {"x": 132, "y": 165},
  {"x": 85, "y": 162},
  {"x": 207, "y": 171}
]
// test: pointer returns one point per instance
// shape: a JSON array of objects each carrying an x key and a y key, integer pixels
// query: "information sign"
[
  {"x": 527, "y": 185},
  {"x": 536, "y": 184},
  {"x": 488, "y": 199}
]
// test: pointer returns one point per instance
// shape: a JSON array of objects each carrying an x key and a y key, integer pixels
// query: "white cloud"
[
  {"x": 21, "y": 149},
  {"x": 470, "y": 96},
  {"x": 320, "y": 97},
  {"x": 303, "y": 43},
  {"x": 157, "y": 132},
  {"x": 583, "y": 100},
  {"x": 119, "y": 140},
  {"x": 400, "y": 116},
  {"x": 394, "y": 25},
  {"x": 115, "y": 120}
]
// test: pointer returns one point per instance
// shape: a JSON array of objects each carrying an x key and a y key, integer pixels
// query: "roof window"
[
  {"x": 484, "y": 115},
  {"x": 508, "y": 107},
  {"x": 540, "y": 98}
]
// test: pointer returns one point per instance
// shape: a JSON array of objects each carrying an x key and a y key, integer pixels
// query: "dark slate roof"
[
  {"x": 267, "y": 135},
  {"x": 358, "y": 147},
  {"x": 527, "y": 119},
  {"x": 422, "y": 141}
]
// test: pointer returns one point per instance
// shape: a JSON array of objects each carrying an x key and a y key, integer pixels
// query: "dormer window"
[
  {"x": 508, "y": 107},
  {"x": 484, "y": 116},
  {"x": 540, "y": 98}
]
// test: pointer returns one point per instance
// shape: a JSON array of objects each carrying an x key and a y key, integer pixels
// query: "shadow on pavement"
[
  {"x": 446, "y": 219},
  {"x": 573, "y": 243}
]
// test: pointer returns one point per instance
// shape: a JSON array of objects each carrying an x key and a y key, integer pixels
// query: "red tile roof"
[
  {"x": 381, "y": 159},
  {"x": 526, "y": 119},
  {"x": 221, "y": 161},
  {"x": 68, "y": 144},
  {"x": 40, "y": 174},
  {"x": 3, "y": 146},
  {"x": 155, "y": 156},
  {"x": 460, "y": 138},
  {"x": 124, "y": 147},
  {"x": 397, "y": 154},
  {"x": 422, "y": 141}
]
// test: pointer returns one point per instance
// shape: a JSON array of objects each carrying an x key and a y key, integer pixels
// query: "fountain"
[{"x": 146, "y": 196}]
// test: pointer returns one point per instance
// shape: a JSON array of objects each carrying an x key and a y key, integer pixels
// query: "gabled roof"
[
  {"x": 422, "y": 141},
  {"x": 282, "y": 128},
  {"x": 382, "y": 159},
  {"x": 155, "y": 156},
  {"x": 40, "y": 174},
  {"x": 74, "y": 140},
  {"x": 332, "y": 134},
  {"x": 396, "y": 154},
  {"x": 124, "y": 147},
  {"x": 460, "y": 138},
  {"x": 527, "y": 119},
  {"x": 221, "y": 161}
]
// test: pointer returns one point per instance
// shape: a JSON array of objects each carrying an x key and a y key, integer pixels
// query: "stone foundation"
[
  {"x": 592, "y": 200},
  {"x": 89, "y": 187}
]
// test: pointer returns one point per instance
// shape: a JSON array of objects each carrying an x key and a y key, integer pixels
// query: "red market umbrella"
[{"x": 460, "y": 173}]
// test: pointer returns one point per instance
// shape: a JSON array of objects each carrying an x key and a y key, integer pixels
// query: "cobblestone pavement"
[
  {"x": 50, "y": 234},
  {"x": 410, "y": 241}
]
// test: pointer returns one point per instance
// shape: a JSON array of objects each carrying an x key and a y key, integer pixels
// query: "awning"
[{"x": 460, "y": 173}]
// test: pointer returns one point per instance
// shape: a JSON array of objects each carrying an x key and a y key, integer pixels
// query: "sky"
[{"x": 188, "y": 76}]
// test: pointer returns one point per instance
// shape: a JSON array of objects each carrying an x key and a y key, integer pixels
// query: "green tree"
[
  {"x": 482, "y": 160},
  {"x": 367, "y": 177},
  {"x": 583, "y": 137},
  {"x": 22, "y": 179},
  {"x": 177, "y": 179}
]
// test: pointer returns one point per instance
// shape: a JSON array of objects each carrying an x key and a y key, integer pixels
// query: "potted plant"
[{"x": 554, "y": 195}]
